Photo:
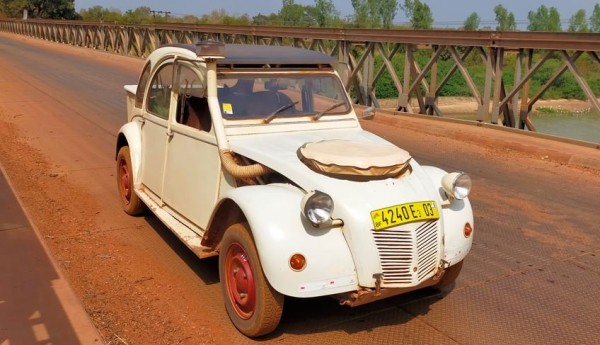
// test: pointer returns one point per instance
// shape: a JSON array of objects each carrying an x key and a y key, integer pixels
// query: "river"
[
  {"x": 580, "y": 125},
  {"x": 583, "y": 126}
]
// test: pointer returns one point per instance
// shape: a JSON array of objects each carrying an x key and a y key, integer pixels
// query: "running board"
[{"x": 188, "y": 236}]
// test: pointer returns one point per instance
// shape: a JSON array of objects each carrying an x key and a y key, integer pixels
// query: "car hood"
[{"x": 280, "y": 153}]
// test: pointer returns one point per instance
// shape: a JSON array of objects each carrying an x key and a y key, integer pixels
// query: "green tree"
[
  {"x": 472, "y": 22},
  {"x": 13, "y": 8},
  {"x": 544, "y": 19},
  {"x": 578, "y": 22},
  {"x": 222, "y": 17},
  {"x": 387, "y": 11},
  {"x": 374, "y": 13},
  {"x": 99, "y": 13},
  {"x": 595, "y": 19},
  {"x": 293, "y": 14},
  {"x": 506, "y": 20},
  {"x": 554, "y": 20},
  {"x": 46, "y": 9},
  {"x": 418, "y": 13},
  {"x": 261, "y": 19},
  {"x": 141, "y": 15},
  {"x": 325, "y": 12},
  {"x": 361, "y": 13}
]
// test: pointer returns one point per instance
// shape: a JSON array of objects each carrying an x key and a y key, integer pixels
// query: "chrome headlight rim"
[
  {"x": 317, "y": 207},
  {"x": 457, "y": 185}
]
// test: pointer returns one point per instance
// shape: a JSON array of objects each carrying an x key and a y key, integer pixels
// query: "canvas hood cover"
[{"x": 355, "y": 160}]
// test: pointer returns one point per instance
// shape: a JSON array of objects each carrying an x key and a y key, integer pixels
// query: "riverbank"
[{"x": 468, "y": 105}]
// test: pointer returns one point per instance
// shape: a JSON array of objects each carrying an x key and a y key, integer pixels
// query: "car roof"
[{"x": 248, "y": 54}]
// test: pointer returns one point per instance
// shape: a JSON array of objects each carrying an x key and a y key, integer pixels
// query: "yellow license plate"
[{"x": 406, "y": 213}]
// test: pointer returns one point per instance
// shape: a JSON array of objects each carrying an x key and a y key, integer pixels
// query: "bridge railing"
[{"x": 357, "y": 51}]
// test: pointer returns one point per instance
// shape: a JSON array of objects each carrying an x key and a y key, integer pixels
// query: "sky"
[{"x": 446, "y": 13}]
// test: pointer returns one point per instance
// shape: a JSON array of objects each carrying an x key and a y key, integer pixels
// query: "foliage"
[
  {"x": 141, "y": 15},
  {"x": 374, "y": 13},
  {"x": 419, "y": 14},
  {"x": 325, "y": 13},
  {"x": 293, "y": 14},
  {"x": 101, "y": 14},
  {"x": 565, "y": 86},
  {"x": 544, "y": 19},
  {"x": 506, "y": 20},
  {"x": 220, "y": 17},
  {"x": 387, "y": 11},
  {"x": 472, "y": 22},
  {"x": 46, "y": 9},
  {"x": 595, "y": 19},
  {"x": 578, "y": 22},
  {"x": 261, "y": 19}
]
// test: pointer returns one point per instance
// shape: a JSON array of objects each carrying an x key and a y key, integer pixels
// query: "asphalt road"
[{"x": 532, "y": 277}]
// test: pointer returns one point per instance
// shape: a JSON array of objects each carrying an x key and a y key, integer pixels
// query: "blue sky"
[{"x": 445, "y": 12}]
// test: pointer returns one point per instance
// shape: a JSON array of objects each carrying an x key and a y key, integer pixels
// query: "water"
[{"x": 581, "y": 125}]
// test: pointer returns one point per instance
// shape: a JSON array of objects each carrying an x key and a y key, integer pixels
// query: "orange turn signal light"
[
  {"x": 468, "y": 230},
  {"x": 297, "y": 262}
]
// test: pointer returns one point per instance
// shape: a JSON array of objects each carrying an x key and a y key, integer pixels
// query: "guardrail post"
[
  {"x": 499, "y": 61},
  {"x": 367, "y": 79},
  {"x": 343, "y": 58},
  {"x": 524, "y": 111},
  {"x": 404, "y": 96}
]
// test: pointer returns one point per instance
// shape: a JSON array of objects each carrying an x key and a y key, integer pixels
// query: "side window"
[
  {"x": 159, "y": 95},
  {"x": 192, "y": 104},
  {"x": 141, "y": 88}
]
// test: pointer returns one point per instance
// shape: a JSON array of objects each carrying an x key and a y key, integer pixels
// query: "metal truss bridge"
[{"x": 366, "y": 55}]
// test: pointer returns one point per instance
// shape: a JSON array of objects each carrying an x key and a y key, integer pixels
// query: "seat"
[{"x": 197, "y": 114}]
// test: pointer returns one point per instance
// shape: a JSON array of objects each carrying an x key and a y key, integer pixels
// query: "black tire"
[
  {"x": 253, "y": 306},
  {"x": 449, "y": 277},
  {"x": 131, "y": 203}
]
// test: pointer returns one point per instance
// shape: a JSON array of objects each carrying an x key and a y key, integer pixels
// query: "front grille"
[{"x": 407, "y": 255}]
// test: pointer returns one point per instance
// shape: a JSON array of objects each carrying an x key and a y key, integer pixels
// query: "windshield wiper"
[
  {"x": 318, "y": 116},
  {"x": 279, "y": 110}
]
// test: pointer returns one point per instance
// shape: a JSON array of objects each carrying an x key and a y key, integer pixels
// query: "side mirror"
[{"x": 368, "y": 113}]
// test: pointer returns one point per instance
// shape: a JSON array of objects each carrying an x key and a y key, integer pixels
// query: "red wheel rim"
[
  {"x": 124, "y": 181},
  {"x": 239, "y": 280}
]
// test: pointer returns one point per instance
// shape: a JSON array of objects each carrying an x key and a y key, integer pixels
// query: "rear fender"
[
  {"x": 280, "y": 231},
  {"x": 131, "y": 135}
]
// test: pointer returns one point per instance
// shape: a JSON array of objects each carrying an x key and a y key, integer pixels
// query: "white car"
[{"x": 255, "y": 154}]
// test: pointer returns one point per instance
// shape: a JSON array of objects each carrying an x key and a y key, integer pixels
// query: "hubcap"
[
  {"x": 240, "y": 281},
  {"x": 125, "y": 183}
]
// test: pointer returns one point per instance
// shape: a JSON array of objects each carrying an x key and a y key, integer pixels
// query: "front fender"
[
  {"x": 279, "y": 231},
  {"x": 454, "y": 216},
  {"x": 130, "y": 134}
]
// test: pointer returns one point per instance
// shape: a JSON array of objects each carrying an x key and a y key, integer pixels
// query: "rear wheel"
[
  {"x": 449, "y": 277},
  {"x": 252, "y": 304},
  {"x": 131, "y": 202}
]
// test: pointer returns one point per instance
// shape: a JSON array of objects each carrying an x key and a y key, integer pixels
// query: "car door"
[
  {"x": 158, "y": 103},
  {"x": 193, "y": 167}
]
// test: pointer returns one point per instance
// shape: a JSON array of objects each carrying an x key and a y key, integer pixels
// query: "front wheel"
[
  {"x": 132, "y": 204},
  {"x": 252, "y": 304}
]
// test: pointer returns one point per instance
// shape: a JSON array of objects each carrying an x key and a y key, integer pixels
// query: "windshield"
[{"x": 267, "y": 96}]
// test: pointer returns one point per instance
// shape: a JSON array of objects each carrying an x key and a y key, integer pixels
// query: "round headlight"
[
  {"x": 457, "y": 185},
  {"x": 317, "y": 207}
]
